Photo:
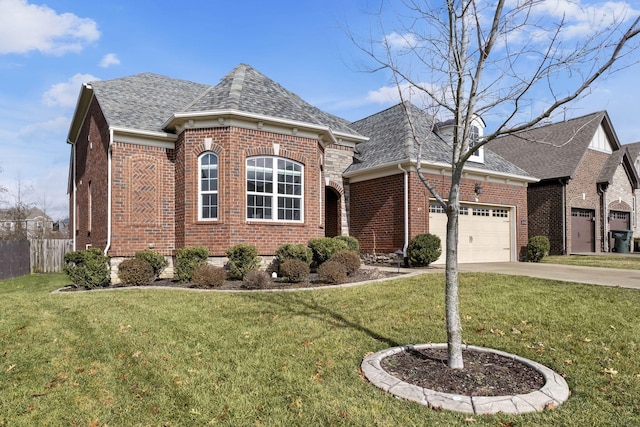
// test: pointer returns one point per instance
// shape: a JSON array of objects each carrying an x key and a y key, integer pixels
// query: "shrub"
[
  {"x": 157, "y": 262},
  {"x": 242, "y": 260},
  {"x": 89, "y": 268},
  {"x": 332, "y": 272},
  {"x": 294, "y": 270},
  {"x": 537, "y": 248},
  {"x": 294, "y": 251},
  {"x": 348, "y": 258},
  {"x": 352, "y": 243},
  {"x": 324, "y": 247},
  {"x": 208, "y": 276},
  {"x": 135, "y": 272},
  {"x": 189, "y": 258},
  {"x": 424, "y": 249},
  {"x": 256, "y": 279}
]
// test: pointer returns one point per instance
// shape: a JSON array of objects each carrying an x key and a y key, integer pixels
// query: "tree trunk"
[{"x": 454, "y": 328}]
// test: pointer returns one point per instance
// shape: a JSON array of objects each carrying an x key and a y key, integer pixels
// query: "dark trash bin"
[{"x": 622, "y": 240}]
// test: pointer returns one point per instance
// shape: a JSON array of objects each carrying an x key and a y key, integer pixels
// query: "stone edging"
[{"x": 554, "y": 392}]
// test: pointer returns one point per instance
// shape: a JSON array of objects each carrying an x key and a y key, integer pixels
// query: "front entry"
[
  {"x": 332, "y": 224},
  {"x": 582, "y": 230}
]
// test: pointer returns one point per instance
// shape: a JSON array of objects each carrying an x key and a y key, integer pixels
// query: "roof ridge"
[{"x": 237, "y": 84}]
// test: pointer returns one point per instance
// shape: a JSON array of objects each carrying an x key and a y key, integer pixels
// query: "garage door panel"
[{"x": 482, "y": 237}]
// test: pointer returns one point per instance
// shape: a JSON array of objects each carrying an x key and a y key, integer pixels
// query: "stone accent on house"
[{"x": 337, "y": 159}]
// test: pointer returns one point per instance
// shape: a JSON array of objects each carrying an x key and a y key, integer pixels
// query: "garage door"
[{"x": 484, "y": 233}]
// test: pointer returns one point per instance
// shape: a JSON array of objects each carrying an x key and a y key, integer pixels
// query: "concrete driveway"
[{"x": 569, "y": 273}]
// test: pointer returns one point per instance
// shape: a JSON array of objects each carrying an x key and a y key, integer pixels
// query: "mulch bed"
[
  {"x": 484, "y": 374},
  {"x": 313, "y": 282}
]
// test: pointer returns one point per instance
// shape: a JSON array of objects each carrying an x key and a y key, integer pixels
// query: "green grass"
[
  {"x": 607, "y": 261},
  {"x": 170, "y": 357}
]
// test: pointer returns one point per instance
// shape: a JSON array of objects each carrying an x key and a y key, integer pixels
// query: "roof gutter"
[{"x": 333, "y": 135}]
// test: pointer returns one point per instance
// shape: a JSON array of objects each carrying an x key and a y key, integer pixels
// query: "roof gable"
[{"x": 554, "y": 150}]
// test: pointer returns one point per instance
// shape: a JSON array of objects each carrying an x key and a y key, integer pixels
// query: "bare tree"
[
  {"x": 515, "y": 62},
  {"x": 18, "y": 211}
]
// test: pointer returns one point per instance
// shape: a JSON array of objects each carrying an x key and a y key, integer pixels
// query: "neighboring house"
[
  {"x": 587, "y": 182},
  {"x": 163, "y": 163},
  {"x": 390, "y": 204},
  {"x": 31, "y": 223},
  {"x": 634, "y": 155}
]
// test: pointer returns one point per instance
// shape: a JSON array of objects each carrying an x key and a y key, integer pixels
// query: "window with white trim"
[
  {"x": 475, "y": 134},
  {"x": 208, "y": 188},
  {"x": 274, "y": 189}
]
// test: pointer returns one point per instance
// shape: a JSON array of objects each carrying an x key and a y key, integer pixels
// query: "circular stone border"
[{"x": 554, "y": 392}]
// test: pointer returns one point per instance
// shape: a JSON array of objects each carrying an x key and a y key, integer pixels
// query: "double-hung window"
[
  {"x": 274, "y": 189},
  {"x": 208, "y": 188}
]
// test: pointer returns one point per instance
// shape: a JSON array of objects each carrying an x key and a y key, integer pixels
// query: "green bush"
[
  {"x": 294, "y": 271},
  {"x": 135, "y": 272},
  {"x": 537, "y": 248},
  {"x": 208, "y": 276},
  {"x": 332, "y": 272},
  {"x": 424, "y": 249},
  {"x": 157, "y": 262},
  {"x": 324, "y": 247},
  {"x": 256, "y": 279},
  {"x": 294, "y": 251},
  {"x": 242, "y": 260},
  {"x": 89, "y": 268},
  {"x": 187, "y": 259},
  {"x": 352, "y": 243},
  {"x": 348, "y": 258}
]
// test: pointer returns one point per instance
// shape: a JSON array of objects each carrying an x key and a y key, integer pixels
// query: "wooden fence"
[
  {"x": 14, "y": 258},
  {"x": 47, "y": 255}
]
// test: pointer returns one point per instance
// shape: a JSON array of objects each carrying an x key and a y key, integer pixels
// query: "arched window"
[
  {"x": 208, "y": 188},
  {"x": 274, "y": 189}
]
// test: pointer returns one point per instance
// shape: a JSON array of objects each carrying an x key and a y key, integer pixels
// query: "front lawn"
[
  {"x": 175, "y": 357},
  {"x": 631, "y": 262}
]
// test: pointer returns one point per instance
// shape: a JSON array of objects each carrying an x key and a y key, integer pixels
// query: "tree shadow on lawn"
[{"x": 294, "y": 303}]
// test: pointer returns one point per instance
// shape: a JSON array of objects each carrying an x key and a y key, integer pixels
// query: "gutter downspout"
[
  {"x": 406, "y": 214},
  {"x": 109, "y": 156},
  {"x": 75, "y": 203},
  {"x": 604, "y": 217},
  {"x": 564, "y": 217}
]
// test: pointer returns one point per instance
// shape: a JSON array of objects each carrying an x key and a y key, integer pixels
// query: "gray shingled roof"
[
  {"x": 144, "y": 101},
  {"x": 390, "y": 140},
  {"x": 551, "y": 151},
  {"x": 633, "y": 149},
  {"x": 246, "y": 90}
]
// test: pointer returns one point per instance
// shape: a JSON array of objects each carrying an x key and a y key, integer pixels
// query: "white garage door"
[{"x": 484, "y": 233}]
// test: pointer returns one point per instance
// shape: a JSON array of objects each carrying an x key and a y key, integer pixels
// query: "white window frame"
[
  {"x": 275, "y": 190},
  {"x": 208, "y": 192}
]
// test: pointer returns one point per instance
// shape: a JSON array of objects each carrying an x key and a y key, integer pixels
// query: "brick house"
[
  {"x": 587, "y": 182},
  {"x": 163, "y": 163},
  {"x": 633, "y": 151},
  {"x": 390, "y": 204}
]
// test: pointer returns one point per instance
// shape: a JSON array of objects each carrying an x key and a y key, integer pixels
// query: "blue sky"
[{"x": 48, "y": 48}]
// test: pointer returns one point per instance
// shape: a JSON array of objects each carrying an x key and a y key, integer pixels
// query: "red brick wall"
[
  {"x": 377, "y": 210},
  {"x": 545, "y": 213},
  {"x": 233, "y": 146},
  {"x": 91, "y": 160},
  {"x": 142, "y": 200}
]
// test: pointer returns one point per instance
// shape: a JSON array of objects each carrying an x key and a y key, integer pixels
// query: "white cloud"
[
  {"x": 109, "y": 60},
  {"x": 400, "y": 41},
  {"x": 66, "y": 94},
  {"x": 27, "y": 27},
  {"x": 56, "y": 125}
]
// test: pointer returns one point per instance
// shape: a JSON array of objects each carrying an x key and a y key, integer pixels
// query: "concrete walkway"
[{"x": 568, "y": 273}]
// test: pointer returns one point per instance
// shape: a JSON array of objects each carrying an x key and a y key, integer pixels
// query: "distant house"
[
  {"x": 163, "y": 163},
  {"x": 587, "y": 182},
  {"x": 25, "y": 224}
]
